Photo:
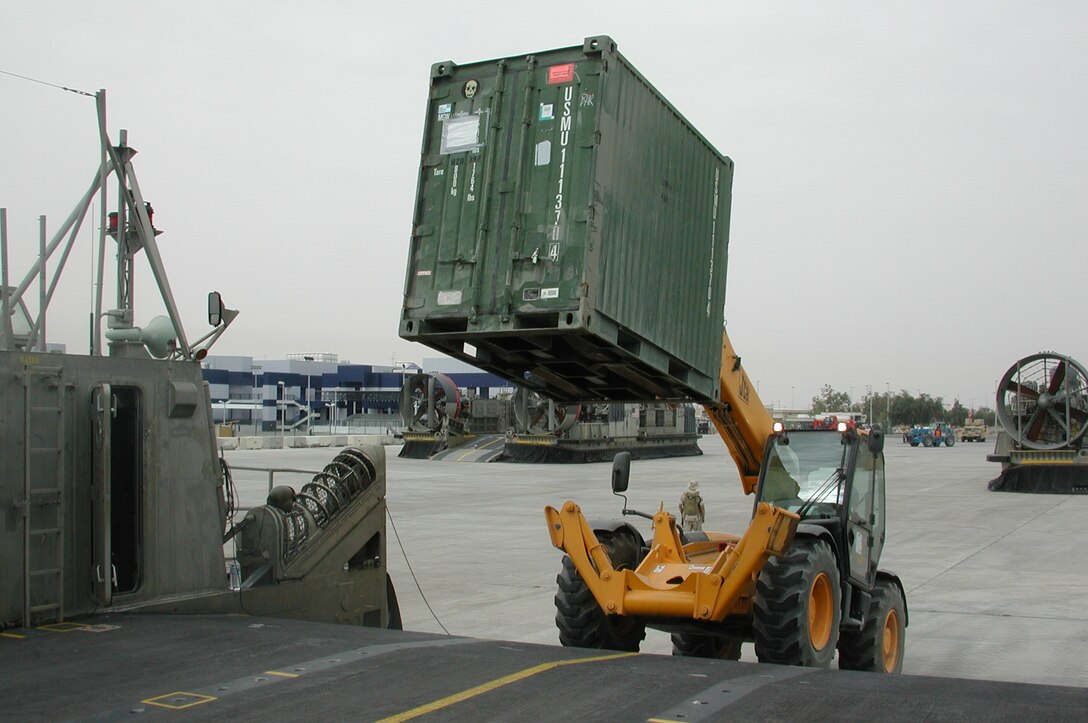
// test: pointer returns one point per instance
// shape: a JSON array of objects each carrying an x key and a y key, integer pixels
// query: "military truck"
[{"x": 974, "y": 430}]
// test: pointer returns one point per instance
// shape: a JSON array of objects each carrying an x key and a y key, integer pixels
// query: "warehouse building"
[{"x": 318, "y": 392}]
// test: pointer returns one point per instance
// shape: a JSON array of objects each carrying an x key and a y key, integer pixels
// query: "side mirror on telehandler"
[
  {"x": 621, "y": 472},
  {"x": 215, "y": 309}
]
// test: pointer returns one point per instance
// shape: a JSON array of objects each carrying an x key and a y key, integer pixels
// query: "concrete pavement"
[{"x": 996, "y": 584}]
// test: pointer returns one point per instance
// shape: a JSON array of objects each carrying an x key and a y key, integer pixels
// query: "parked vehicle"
[
  {"x": 974, "y": 430},
  {"x": 934, "y": 435}
]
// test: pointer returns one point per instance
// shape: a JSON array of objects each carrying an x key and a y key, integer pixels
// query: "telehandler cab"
[{"x": 802, "y": 582}]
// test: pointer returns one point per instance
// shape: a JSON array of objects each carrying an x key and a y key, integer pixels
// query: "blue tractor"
[{"x": 933, "y": 435}]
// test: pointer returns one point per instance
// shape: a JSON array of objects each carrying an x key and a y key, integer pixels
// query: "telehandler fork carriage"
[{"x": 668, "y": 582}]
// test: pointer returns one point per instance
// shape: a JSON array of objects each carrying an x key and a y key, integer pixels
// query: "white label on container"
[
  {"x": 444, "y": 111},
  {"x": 543, "y": 153},
  {"x": 461, "y": 134},
  {"x": 423, "y": 272},
  {"x": 449, "y": 298},
  {"x": 565, "y": 127},
  {"x": 552, "y": 293},
  {"x": 547, "y": 111}
]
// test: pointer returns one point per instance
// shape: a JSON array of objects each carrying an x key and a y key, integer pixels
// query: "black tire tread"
[
  {"x": 863, "y": 649},
  {"x": 780, "y": 622},
  {"x": 706, "y": 646},
  {"x": 581, "y": 622}
]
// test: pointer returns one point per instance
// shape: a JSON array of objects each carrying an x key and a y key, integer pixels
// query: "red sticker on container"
[{"x": 561, "y": 73}]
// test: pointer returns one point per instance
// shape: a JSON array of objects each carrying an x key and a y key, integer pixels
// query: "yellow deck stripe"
[
  {"x": 477, "y": 449},
  {"x": 12, "y": 635},
  {"x": 493, "y": 684},
  {"x": 281, "y": 675}
]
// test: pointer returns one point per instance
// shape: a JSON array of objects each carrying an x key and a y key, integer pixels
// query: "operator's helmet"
[{"x": 693, "y": 486}]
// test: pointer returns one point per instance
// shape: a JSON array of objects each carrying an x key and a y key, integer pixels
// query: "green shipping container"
[{"x": 571, "y": 229}]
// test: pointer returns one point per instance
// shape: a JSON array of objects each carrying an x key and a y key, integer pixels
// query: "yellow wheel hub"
[
  {"x": 821, "y": 613},
  {"x": 891, "y": 640}
]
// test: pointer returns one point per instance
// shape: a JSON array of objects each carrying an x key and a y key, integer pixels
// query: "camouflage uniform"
[{"x": 692, "y": 512}]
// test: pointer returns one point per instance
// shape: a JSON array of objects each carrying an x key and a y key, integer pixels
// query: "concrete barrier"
[{"x": 305, "y": 441}]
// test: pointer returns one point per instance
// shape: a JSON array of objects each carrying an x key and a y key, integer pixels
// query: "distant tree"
[
  {"x": 829, "y": 400},
  {"x": 903, "y": 408},
  {"x": 957, "y": 414},
  {"x": 900, "y": 408},
  {"x": 987, "y": 415},
  {"x": 933, "y": 409}
]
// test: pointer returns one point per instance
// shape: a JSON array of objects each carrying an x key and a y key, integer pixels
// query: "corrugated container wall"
[{"x": 571, "y": 229}]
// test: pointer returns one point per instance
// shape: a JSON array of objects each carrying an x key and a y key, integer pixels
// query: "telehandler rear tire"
[
  {"x": 881, "y": 642},
  {"x": 797, "y": 607},
  {"x": 581, "y": 622},
  {"x": 707, "y": 646}
]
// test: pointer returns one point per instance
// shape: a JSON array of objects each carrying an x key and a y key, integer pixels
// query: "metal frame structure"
[{"x": 133, "y": 231}]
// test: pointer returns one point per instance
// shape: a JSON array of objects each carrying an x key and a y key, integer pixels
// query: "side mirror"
[
  {"x": 215, "y": 309},
  {"x": 876, "y": 440},
  {"x": 621, "y": 472}
]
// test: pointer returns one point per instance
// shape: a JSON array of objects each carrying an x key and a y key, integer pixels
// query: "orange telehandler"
[{"x": 802, "y": 582}]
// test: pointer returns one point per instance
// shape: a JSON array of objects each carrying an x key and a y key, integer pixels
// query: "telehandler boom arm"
[{"x": 740, "y": 417}]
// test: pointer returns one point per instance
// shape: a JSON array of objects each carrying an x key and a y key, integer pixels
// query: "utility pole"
[{"x": 888, "y": 398}]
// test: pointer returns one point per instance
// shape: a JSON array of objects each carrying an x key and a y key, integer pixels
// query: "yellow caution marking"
[
  {"x": 281, "y": 674},
  {"x": 14, "y": 636},
  {"x": 62, "y": 627},
  {"x": 494, "y": 684},
  {"x": 490, "y": 443},
  {"x": 179, "y": 700}
]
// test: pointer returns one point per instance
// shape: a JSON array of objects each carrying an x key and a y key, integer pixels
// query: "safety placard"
[{"x": 561, "y": 73}]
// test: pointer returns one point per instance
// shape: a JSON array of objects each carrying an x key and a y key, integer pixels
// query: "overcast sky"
[{"x": 910, "y": 197}]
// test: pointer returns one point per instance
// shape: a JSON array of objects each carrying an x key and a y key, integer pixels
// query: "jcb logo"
[{"x": 742, "y": 392}]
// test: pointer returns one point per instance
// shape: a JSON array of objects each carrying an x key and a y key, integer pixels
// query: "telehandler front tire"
[
  {"x": 881, "y": 642},
  {"x": 707, "y": 646},
  {"x": 797, "y": 607},
  {"x": 581, "y": 622}
]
